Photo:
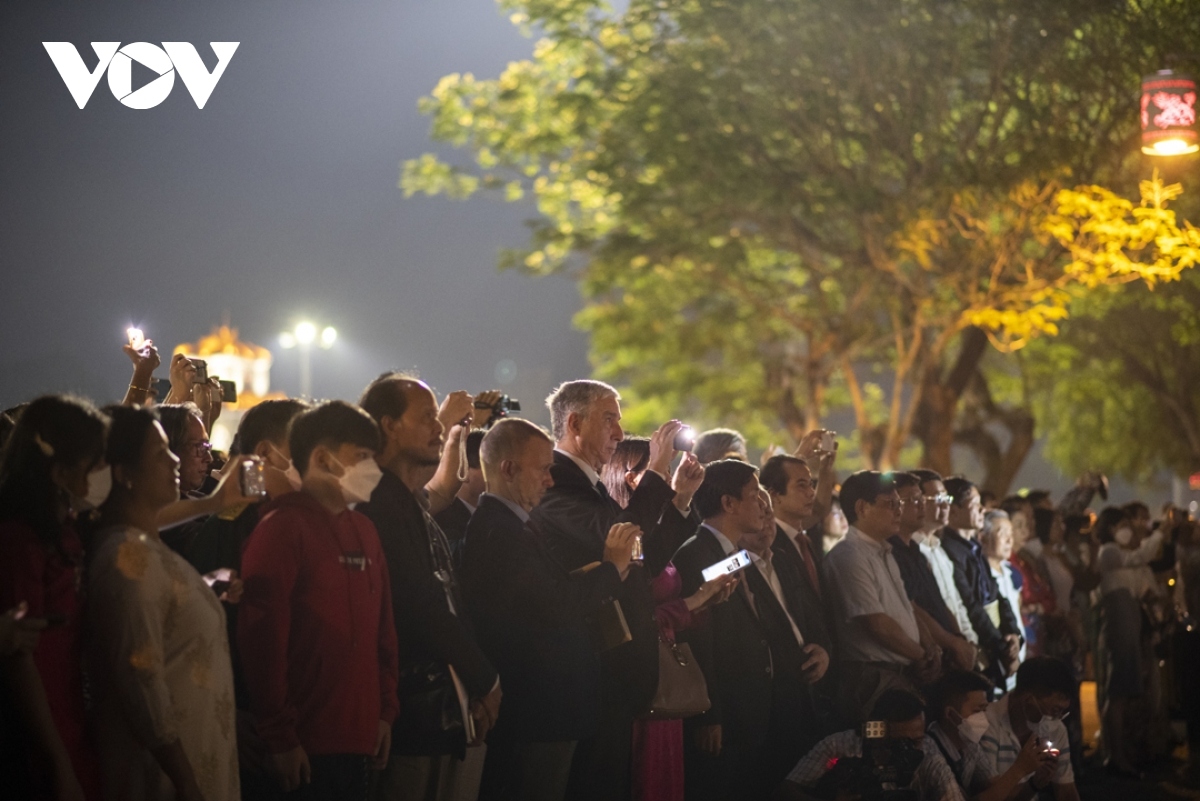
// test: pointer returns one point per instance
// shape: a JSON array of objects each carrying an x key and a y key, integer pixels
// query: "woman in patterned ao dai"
[{"x": 159, "y": 652}]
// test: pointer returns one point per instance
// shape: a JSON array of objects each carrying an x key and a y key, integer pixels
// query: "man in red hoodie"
[{"x": 315, "y": 628}]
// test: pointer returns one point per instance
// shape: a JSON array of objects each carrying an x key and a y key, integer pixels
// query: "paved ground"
[{"x": 1169, "y": 783}]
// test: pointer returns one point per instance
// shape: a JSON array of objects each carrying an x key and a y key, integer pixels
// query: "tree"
[
  {"x": 1119, "y": 391},
  {"x": 773, "y": 206}
]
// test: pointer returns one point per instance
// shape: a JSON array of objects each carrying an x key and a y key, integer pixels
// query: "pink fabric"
[{"x": 658, "y": 744}]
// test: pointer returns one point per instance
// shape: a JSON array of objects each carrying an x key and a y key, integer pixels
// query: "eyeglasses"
[
  {"x": 199, "y": 449},
  {"x": 889, "y": 503},
  {"x": 941, "y": 497}
]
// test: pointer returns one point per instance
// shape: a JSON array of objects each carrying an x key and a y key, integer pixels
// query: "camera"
[
  {"x": 501, "y": 408},
  {"x": 884, "y": 772}
]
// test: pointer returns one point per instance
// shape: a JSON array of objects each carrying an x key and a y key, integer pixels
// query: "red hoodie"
[{"x": 315, "y": 629}]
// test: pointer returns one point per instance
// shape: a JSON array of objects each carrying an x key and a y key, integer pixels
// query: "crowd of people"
[{"x": 406, "y": 598}]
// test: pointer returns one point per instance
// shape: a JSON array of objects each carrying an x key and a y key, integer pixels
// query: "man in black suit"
[
  {"x": 432, "y": 623},
  {"x": 973, "y": 576},
  {"x": 793, "y": 494},
  {"x": 530, "y": 613},
  {"x": 575, "y": 516},
  {"x": 453, "y": 519},
  {"x": 725, "y": 748}
]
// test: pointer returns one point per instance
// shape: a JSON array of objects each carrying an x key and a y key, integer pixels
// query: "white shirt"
[
  {"x": 1121, "y": 568},
  {"x": 767, "y": 569},
  {"x": 943, "y": 573},
  {"x": 587, "y": 469},
  {"x": 1009, "y": 590},
  {"x": 865, "y": 580}
]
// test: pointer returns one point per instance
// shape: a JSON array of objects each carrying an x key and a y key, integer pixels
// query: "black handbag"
[{"x": 431, "y": 718}]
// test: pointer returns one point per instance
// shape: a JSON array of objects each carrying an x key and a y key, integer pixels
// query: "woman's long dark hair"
[
  {"x": 632, "y": 453},
  {"x": 1110, "y": 519},
  {"x": 52, "y": 430}
]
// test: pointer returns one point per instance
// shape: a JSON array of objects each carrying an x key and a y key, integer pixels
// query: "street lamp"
[
  {"x": 1169, "y": 115},
  {"x": 302, "y": 337}
]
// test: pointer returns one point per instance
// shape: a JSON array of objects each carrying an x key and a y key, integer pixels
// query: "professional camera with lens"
[
  {"x": 883, "y": 773},
  {"x": 501, "y": 408}
]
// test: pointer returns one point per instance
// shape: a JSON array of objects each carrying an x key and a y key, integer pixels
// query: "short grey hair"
[
  {"x": 505, "y": 440},
  {"x": 993, "y": 522},
  {"x": 578, "y": 397}
]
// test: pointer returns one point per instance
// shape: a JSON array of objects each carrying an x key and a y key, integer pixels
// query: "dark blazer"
[
  {"x": 734, "y": 653},
  {"x": 574, "y": 517},
  {"x": 453, "y": 521},
  {"x": 529, "y": 612},
  {"x": 426, "y": 629},
  {"x": 805, "y": 601},
  {"x": 973, "y": 577}
]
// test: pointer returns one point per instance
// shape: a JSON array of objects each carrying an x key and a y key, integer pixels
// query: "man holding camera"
[
  {"x": 575, "y": 516},
  {"x": 432, "y": 626},
  {"x": 890, "y": 752}
]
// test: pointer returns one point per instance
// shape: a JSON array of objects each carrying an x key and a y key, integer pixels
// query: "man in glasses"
[
  {"x": 922, "y": 586},
  {"x": 935, "y": 517},
  {"x": 1035, "y": 709},
  {"x": 882, "y": 645}
]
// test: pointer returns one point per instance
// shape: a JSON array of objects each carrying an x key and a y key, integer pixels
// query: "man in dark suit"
[
  {"x": 973, "y": 576},
  {"x": 530, "y": 613},
  {"x": 453, "y": 519},
  {"x": 725, "y": 748},
  {"x": 574, "y": 516},
  {"x": 793, "y": 494},
  {"x": 432, "y": 623}
]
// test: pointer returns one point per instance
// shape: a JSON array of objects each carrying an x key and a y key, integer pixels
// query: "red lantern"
[{"x": 1169, "y": 115}]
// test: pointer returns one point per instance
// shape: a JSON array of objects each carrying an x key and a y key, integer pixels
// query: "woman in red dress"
[{"x": 52, "y": 466}]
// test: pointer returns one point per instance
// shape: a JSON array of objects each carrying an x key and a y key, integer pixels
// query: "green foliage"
[{"x": 762, "y": 194}]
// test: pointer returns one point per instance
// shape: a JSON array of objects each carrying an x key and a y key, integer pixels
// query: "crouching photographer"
[{"x": 888, "y": 758}]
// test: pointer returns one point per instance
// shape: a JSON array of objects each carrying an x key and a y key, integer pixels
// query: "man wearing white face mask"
[
  {"x": 315, "y": 627},
  {"x": 958, "y": 705},
  {"x": 1031, "y": 716}
]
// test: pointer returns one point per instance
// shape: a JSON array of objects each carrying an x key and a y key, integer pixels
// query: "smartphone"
[
  {"x": 685, "y": 440},
  {"x": 219, "y": 580},
  {"x": 739, "y": 561},
  {"x": 201, "y": 371},
  {"x": 829, "y": 441},
  {"x": 638, "y": 555},
  {"x": 136, "y": 340},
  {"x": 228, "y": 392},
  {"x": 252, "y": 479},
  {"x": 160, "y": 387}
]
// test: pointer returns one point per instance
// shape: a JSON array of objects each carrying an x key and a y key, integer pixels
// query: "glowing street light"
[
  {"x": 302, "y": 337},
  {"x": 1169, "y": 115}
]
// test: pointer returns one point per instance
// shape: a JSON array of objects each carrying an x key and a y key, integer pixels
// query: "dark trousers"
[
  {"x": 602, "y": 767},
  {"x": 516, "y": 771},
  {"x": 335, "y": 777}
]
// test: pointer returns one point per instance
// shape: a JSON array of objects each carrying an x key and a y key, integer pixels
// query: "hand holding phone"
[{"x": 739, "y": 561}]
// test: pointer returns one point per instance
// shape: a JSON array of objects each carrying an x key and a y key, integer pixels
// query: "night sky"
[{"x": 276, "y": 202}]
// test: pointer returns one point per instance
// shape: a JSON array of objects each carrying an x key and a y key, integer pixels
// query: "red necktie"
[{"x": 811, "y": 565}]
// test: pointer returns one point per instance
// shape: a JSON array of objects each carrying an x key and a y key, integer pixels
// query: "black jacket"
[
  {"x": 529, "y": 611},
  {"x": 574, "y": 517},
  {"x": 804, "y": 599},
  {"x": 734, "y": 653},
  {"x": 453, "y": 522},
  {"x": 426, "y": 629},
  {"x": 973, "y": 577}
]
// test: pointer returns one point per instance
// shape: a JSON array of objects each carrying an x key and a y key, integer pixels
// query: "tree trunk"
[{"x": 934, "y": 424}]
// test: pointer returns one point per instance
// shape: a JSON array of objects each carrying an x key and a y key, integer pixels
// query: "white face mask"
[
  {"x": 972, "y": 727},
  {"x": 1123, "y": 536},
  {"x": 291, "y": 473},
  {"x": 359, "y": 481},
  {"x": 99, "y": 485}
]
